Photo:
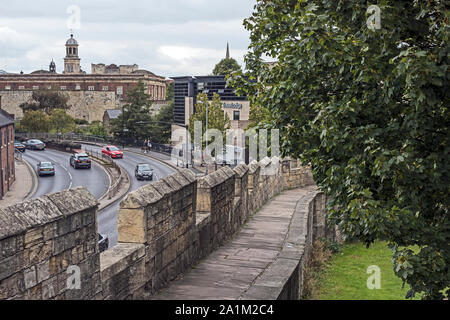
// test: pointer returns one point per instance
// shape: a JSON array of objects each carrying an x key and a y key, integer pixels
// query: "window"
[
  {"x": 35, "y": 87},
  {"x": 119, "y": 90},
  {"x": 7, "y": 87},
  {"x": 236, "y": 115},
  {"x": 221, "y": 91},
  {"x": 63, "y": 87},
  {"x": 77, "y": 87},
  {"x": 91, "y": 88},
  {"x": 105, "y": 88},
  {"x": 21, "y": 87}
]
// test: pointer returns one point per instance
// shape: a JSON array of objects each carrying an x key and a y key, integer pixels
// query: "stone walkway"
[
  {"x": 21, "y": 188},
  {"x": 228, "y": 272}
]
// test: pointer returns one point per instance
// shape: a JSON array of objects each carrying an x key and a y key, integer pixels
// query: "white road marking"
[{"x": 68, "y": 172}]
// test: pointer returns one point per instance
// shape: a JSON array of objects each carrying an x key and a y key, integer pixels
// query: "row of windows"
[{"x": 119, "y": 90}]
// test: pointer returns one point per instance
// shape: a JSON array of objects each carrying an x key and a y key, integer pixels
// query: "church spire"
[{"x": 228, "y": 52}]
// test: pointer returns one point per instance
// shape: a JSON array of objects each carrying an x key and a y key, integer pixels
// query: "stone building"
[
  {"x": 90, "y": 95},
  {"x": 109, "y": 115},
  {"x": 7, "y": 168}
]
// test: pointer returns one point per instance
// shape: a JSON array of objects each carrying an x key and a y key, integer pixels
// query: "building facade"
[
  {"x": 90, "y": 95},
  {"x": 187, "y": 88},
  {"x": 7, "y": 164}
]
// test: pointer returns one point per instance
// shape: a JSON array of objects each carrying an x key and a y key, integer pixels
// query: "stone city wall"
[
  {"x": 87, "y": 105},
  {"x": 165, "y": 228},
  {"x": 40, "y": 241},
  {"x": 283, "y": 279}
]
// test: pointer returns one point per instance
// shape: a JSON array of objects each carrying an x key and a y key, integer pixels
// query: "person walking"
[{"x": 144, "y": 147}]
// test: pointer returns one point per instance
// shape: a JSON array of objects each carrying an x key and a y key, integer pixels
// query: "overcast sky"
[{"x": 167, "y": 37}]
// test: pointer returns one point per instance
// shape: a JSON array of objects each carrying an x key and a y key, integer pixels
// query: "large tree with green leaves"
[
  {"x": 217, "y": 118},
  {"x": 134, "y": 121},
  {"x": 368, "y": 109},
  {"x": 162, "y": 129},
  {"x": 226, "y": 66},
  {"x": 46, "y": 100},
  {"x": 61, "y": 122},
  {"x": 35, "y": 121}
]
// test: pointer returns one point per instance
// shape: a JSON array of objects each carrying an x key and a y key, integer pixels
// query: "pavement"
[
  {"x": 228, "y": 272},
  {"x": 23, "y": 187}
]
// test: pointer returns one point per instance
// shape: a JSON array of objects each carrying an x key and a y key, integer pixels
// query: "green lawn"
[{"x": 346, "y": 279}]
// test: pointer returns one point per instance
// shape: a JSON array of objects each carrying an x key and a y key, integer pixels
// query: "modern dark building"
[{"x": 187, "y": 88}]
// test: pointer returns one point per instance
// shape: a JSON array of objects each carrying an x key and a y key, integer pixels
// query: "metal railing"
[
  {"x": 115, "y": 186},
  {"x": 17, "y": 155},
  {"x": 156, "y": 147}
]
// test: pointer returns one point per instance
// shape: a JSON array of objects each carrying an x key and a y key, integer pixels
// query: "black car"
[
  {"x": 80, "y": 160},
  {"x": 19, "y": 147},
  {"x": 103, "y": 242},
  {"x": 143, "y": 171},
  {"x": 34, "y": 144}
]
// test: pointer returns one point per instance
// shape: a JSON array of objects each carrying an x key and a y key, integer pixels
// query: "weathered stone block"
[
  {"x": 30, "y": 277},
  {"x": 132, "y": 225}
]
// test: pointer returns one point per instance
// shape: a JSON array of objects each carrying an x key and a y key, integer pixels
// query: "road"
[
  {"x": 96, "y": 180},
  {"x": 107, "y": 218}
]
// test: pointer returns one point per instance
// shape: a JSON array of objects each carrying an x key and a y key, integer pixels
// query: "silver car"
[{"x": 45, "y": 168}]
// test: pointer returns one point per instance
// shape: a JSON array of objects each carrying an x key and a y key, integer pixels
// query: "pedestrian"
[
  {"x": 149, "y": 145},
  {"x": 144, "y": 147}
]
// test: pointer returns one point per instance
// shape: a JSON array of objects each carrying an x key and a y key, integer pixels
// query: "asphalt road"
[
  {"x": 107, "y": 218},
  {"x": 96, "y": 180}
]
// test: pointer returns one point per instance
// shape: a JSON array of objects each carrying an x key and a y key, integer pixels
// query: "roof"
[
  {"x": 113, "y": 113},
  {"x": 5, "y": 118},
  {"x": 71, "y": 41},
  {"x": 40, "y": 71}
]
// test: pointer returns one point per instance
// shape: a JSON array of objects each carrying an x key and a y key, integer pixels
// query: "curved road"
[
  {"x": 107, "y": 218},
  {"x": 96, "y": 180}
]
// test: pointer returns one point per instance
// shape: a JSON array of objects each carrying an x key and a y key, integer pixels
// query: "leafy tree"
[
  {"x": 368, "y": 109},
  {"x": 217, "y": 118},
  {"x": 226, "y": 67},
  {"x": 136, "y": 110},
  {"x": 60, "y": 121},
  {"x": 162, "y": 130},
  {"x": 46, "y": 100},
  {"x": 170, "y": 92},
  {"x": 35, "y": 121}
]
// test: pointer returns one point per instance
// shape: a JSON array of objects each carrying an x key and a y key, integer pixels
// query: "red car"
[{"x": 113, "y": 152}]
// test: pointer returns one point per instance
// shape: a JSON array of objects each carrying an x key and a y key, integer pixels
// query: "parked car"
[
  {"x": 34, "y": 144},
  {"x": 80, "y": 160},
  {"x": 103, "y": 242},
  {"x": 45, "y": 168},
  {"x": 143, "y": 171},
  {"x": 112, "y": 151},
  {"x": 19, "y": 147}
]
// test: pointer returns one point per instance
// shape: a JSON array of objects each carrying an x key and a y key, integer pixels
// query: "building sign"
[{"x": 232, "y": 105}]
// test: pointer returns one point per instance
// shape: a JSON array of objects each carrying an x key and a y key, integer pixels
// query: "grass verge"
[{"x": 343, "y": 276}]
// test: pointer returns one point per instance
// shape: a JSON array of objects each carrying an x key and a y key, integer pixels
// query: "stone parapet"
[
  {"x": 45, "y": 241},
  {"x": 165, "y": 228}
]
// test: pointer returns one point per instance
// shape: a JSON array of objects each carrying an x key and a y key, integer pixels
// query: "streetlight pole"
[
  {"x": 206, "y": 132},
  {"x": 123, "y": 127}
]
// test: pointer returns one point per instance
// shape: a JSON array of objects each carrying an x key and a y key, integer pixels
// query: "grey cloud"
[{"x": 118, "y": 32}]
